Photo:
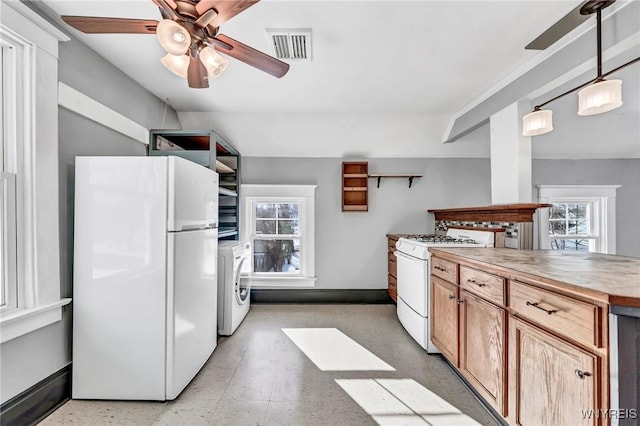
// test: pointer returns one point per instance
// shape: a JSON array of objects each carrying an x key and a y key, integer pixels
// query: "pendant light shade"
[
  {"x": 537, "y": 123},
  {"x": 176, "y": 64},
  {"x": 600, "y": 97},
  {"x": 213, "y": 61},
  {"x": 173, "y": 37}
]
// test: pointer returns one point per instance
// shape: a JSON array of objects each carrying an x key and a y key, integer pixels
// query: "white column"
[{"x": 510, "y": 156}]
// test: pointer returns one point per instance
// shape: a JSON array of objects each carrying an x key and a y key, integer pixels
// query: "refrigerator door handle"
[{"x": 199, "y": 227}]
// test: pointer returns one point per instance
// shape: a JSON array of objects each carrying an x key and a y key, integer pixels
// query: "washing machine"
[{"x": 233, "y": 291}]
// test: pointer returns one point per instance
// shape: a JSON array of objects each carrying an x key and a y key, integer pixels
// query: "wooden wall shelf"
[
  {"x": 355, "y": 186},
  {"x": 519, "y": 212},
  {"x": 394, "y": 175}
]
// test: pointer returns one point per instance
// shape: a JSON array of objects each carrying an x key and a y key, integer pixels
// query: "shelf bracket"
[
  {"x": 410, "y": 180},
  {"x": 379, "y": 177}
]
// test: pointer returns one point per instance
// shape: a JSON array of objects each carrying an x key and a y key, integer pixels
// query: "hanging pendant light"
[
  {"x": 603, "y": 96},
  {"x": 595, "y": 96},
  {"x": 538, "y": 122},
  {"x": 213, "y": 61},
  {"x": 173, "y": 37}
]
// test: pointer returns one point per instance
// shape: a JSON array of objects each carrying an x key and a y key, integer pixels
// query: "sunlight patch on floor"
[
  {"x": 403, "y": 401},
  {"x": 331, "y": 350}
]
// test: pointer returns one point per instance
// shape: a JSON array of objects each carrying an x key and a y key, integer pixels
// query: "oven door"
[{"x": 413, "y": 284}]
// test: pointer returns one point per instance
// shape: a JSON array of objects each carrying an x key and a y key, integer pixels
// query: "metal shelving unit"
[{"x": 208, "y": 149}]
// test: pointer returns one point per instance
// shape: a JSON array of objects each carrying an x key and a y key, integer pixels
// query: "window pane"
[
  {"x": 570, "y": 245},
  {"x": 557, "y": 227},
  {"x": 265, "y": 226},
  {"x": 267, "y": 210},
  {"x": 577, "y": 211},
  {"x": 281, "y": 255},
  {"x": 578, "y": 227},
  {"x": 558, "y": 211},
  {"x": 288, "y": 227},
  {"x": 288, "y": 211}
]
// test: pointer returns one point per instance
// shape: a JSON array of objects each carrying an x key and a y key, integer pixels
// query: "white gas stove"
[{"x": 414, "y": 275}]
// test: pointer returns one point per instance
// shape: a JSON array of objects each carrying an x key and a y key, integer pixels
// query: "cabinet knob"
[
  {"x": 582, "y": 374},
  {"x": 451, "y": 297}
]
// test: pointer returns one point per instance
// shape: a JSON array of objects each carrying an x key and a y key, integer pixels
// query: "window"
[
  {"x": 571, "y": 226},
  {"x": 276, "y": 238},
  {"x": 581, "y": 219},
  {"x": 30, "y": 262},
  {"x": 279, "y": 223},
  {"x": 8, "y": 282}
]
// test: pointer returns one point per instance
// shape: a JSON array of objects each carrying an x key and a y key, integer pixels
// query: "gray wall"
[
  {"x": 85, "y": 71},
  {"x": 351, "y": 247},
  {"x": 625, "y": 172}
]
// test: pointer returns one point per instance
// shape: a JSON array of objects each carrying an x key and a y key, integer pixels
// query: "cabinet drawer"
[
  {"x": 391, "y": 244},
  {"x": 485, "y": 285},
  {"x": 444, "y": 269},
  {"x": 393, "y": 265},
  {"x": 572, "y": 318}
]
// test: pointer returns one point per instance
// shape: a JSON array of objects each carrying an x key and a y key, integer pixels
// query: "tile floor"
[{"x": 259, "y": 376}]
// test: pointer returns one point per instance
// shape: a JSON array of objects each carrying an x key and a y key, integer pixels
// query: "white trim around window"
[
  {"x": 602, "y": 200},
  {"x": 30, "y": 153},
  {"x": 305, "y": 196}
]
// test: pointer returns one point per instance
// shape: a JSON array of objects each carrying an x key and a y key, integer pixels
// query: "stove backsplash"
[{"x": 518, "y": 235}]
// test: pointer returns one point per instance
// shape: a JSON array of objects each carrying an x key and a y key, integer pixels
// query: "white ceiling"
[
  {"x": 386, "y": 78},
  {"x": 368, "y": 56}
]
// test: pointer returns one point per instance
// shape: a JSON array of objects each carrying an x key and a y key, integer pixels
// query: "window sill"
[
  {"x": 282, "y": 282},
  {"x": 19, "y": 322}
]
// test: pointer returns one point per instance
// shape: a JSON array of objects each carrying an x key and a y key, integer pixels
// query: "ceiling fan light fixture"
[
  {"x": 176, "y": 64},
  {"x": 599, "y": 97},
  {"x": 213, "y": 61},
  {"x": 538, "y": 122},
  {"x": 173, "y": 37}
]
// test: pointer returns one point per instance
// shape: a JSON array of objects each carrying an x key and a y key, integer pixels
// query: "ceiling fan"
[{"x": 189, "y": 33}]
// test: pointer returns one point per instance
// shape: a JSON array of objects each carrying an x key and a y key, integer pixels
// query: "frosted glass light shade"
[
  {"x": 600, "y": 97},
  {"x": 213, "y": 62},
  {"x": 537, "y": 123},
  {"x": 176, "y": 64},
  {"x": 173, "y": 37}
]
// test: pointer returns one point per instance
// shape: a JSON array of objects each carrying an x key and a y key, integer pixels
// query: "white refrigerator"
[{"x": 144, "y": 276}]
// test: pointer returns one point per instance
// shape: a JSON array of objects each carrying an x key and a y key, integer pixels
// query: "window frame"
[
  {"x": 602, "y": 199},
  {"x": 29, "y": 145},
  {"x": 305, "y": 196}
]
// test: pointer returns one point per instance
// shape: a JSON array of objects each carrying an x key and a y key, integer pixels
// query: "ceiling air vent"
[{"x": 290, "y": 44}]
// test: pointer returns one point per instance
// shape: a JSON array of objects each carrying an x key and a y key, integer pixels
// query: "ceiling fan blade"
[
  {"x": 96, "y": 25},
  {"x": 206, "y": 18},
  {"x": 249, "y": 55},
  {"x": 226, "y": 9},
  {"x": 555, "y": 32},
  {"x": 197, "y": 74},
  {"x": 171, "y": 3}
]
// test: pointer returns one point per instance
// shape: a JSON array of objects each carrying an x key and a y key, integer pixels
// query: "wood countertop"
[{"x": 611, "y": 279}]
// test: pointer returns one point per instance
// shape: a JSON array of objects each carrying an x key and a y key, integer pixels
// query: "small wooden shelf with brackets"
[{"x": 395, "y": 175}]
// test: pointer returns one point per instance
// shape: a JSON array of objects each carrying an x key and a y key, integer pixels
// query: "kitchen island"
[{"x": 535, "y": 332}]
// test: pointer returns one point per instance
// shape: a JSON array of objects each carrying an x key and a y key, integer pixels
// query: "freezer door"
[
  {"x": 191, "y": 304},
  {"x": 193, "y": 195}
]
